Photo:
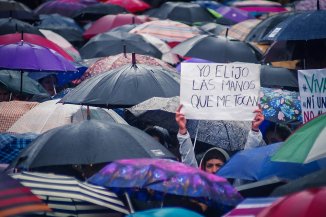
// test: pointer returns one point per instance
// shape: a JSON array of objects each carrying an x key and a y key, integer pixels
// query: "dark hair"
[
  {"x": 152, "y": 131},
  {"x": 281, "y": 130},
  {"x": 214, "y": 153}
]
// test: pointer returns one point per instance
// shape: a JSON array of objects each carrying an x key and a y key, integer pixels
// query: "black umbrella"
[
  {"x": 217, "y": 49},
  {"x": 96, "y": 11},
  {"x": 278, "y": 77},
  {"x": 316, "y": 179},
  {"x": 265, "y": 26},
  {"x": 16, "y": 10},
  {"x": 158, "y": 3},
  {"x": 112, "y": 43},
  {"x": 179, "y": 11},
  {"x": 124, "y": 87},
  {"x": 11, "y": 25},
  {"x": 89, "y": 142}
]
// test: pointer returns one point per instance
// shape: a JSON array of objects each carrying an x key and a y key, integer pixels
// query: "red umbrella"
[
  {"x": 131, "y": 5},
  {"x": 34, "y": 39},
  {"x": 109, "y": 22},
  {"x": 15, "y": 199},
  {"x": 302, "y": 204}
]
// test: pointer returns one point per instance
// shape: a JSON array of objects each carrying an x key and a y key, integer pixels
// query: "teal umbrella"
[
  {"x": 12, "y": 81},
  {"x": 165, "y": 212}
]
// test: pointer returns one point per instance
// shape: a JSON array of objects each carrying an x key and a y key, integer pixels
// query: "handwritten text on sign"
[
  {"x": 217, "y": 91},
  {"x": 312, "y": 86}
]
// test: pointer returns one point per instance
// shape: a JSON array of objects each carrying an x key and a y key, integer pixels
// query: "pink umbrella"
[
  {"x": 131, "y": 5},
  {"x": 109, "y": 22},
  {"x": 259, "y": 6}
]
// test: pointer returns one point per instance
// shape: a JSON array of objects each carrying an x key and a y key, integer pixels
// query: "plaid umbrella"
[
  {"x": 241, "y": 30},
  {"x": 12, "y": 144},
  {"x": 11, "y": 111},
  {"x": 15, "y": 199}
]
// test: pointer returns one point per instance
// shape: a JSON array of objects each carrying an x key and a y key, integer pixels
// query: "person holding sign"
[{"x": 214, "y": 158}]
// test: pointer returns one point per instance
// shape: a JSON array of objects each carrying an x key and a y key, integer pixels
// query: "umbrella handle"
[{"x": 129, "y": 203}]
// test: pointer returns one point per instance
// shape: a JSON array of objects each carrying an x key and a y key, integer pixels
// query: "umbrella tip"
[
  {"x": 226, "y": 32},
  {"x": 133, "y": 59}
]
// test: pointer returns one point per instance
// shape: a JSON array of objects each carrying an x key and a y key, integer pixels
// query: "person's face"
[
  {"x": 4, "y": 95},
  {"x": 213, "y": 165},
  {"x": 48, "y": 83}
]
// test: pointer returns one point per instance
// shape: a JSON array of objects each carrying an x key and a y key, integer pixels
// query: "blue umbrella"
[
  {"x": 256, "y": 164},
  {"x": 165, "y": 212}
]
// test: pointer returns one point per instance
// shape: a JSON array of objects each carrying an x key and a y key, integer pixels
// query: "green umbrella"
[
  {"x": 306, "y": 144},
  {"x": 12, "y": 81}
]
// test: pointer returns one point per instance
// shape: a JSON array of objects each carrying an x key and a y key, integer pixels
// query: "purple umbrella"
[
  {"x": 64, "y": 8},
  {"x": 192, "y": 60},
  {"x": 233, "y": 14},
  {"x": 167, "y": 176},
  {"x": 25, "y": 56}
]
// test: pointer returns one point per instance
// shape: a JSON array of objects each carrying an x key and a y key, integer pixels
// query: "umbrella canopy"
[
  {"x": 112, "y": 62},
  {"x": 132, "y": 6},
  {"x": 281, "y": 106},
  {"x": 166, "y": 176},
  {"x": 256, "y": 164},
  {"x": 64, "y": 194},
  {"x": 49, "y": 115},
  {"x": 11, "y": 25},
  {"x": 27, "y": 56},
  {"x": 312, "y": 203},
  {"x": 233, "y": 13},
  {"x": 108, "y": 22},
  {"x": 34, "y": 39},
  {"x": 11, "y": 111},
  {"x": 240, "y": 30},
  {"x": 308, "y": 5},
  {"x": 113, "y": 141},
  {"x": 16, "y": 199},
  {"x": 217, "y": 49},
  {"x": 113, "y": 43},
  {"x": 306, "y": 144},
  {"x": 186, "y": 13},
  {"x": 13, "y": 144},
  {"x": 167, "y": 30},
  {"x": 301, "y": 26},
  {"x": 124, "y": 87},
  {"x": 16, "y": 10},
  {"x": 97, "y": 11},
  {"x": 213, "y": 28},
  {"x": 11, "y": 80},
  {"x": 278, "y": 77},
  {"x": 261, "y": 6},
  {"x": 165, "y": 212},
  {"x": 313, "y": 180},
  {"x": 64, "y": 8}
]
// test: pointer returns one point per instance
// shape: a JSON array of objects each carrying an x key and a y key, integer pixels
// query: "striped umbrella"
[
  {"x": 68, "y": 197},
  {"x": 240, "y": 30},
  {"x": 16, "y": 199}
]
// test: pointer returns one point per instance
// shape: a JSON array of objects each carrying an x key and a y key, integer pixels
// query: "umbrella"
[
  {"x": 258, "y": 32},
  {"x": 306, "y": 144},
  {"x": 112, "y": 62},
  {"x": 186, "y": 13},
  {"x": 308, "y": 5},
  {"x": 167, "y": 176},
  {"x": 11, "y": 25},
  {"x": 132, "y": 6},
  {"x": 167, "y": 30},
  {"x": 16, "y": 10},
  {"x": 217, "y": 49},
  {"x": 251, "y": 207},
  {"x": 301, "y": 26},
  {"x": 278, "y": 77},
  {"x": 64, "y": 194},
  {"x": 256, "y": 164},
  {"x": 165, "y": 212},
  {"x": 261, "y": 6},
  {"x": 11, "y": 111},
  {"x": 49, "y": 115},
  {"x": 213, "y": 28},
  {"x": 233, "y": 13},
  {"x": 97, "y": 11},
  {"x": 11, "y": 80},
  {"x": 240, "y": 30},
  {"x": 112, "y": 43},
  {"x": 13, "y": 144},
  {"x": 34, "y": 39},
  {"x": 313, "y": 180},
  {"x": 64, "y": 8},
  {"x": 125, "y": 87},
  {"x": 311, "y": 204},
  {"x": 280, "y": 106},
  {"x": 74, "y": 144},
  {"x": 108, "y": 22},
  {"x": 16, "y": 199}
]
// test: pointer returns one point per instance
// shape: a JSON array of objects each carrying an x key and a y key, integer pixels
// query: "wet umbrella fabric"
[
  {"x": 113, "y": 141},
  {"x": 97, "y": 11},
  {"x": 132, "y": 6},
  {"x": 165, "y": 212},
  {"x": 124, "y": 87},
  {"x": 166, "y": 176},
  {"x": 276, "y": 76},
  {"x": 217, "y": 49},
  {"x": 233, "y": 13},
  {"x": 16, "y": 199},
  {"x": 256, "y": 164},
  {"x": 240, "y": 30},
  {"x": 12, "y": 81},
  {"x": 113, "y": 43},
  {"x": 64, "y": 8},
  {"x": 213, "y": 28},
  {"x": 16, "y": 10},
  {"x": 11, "y": 25},
  {"x": 64, "y": 194}
]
